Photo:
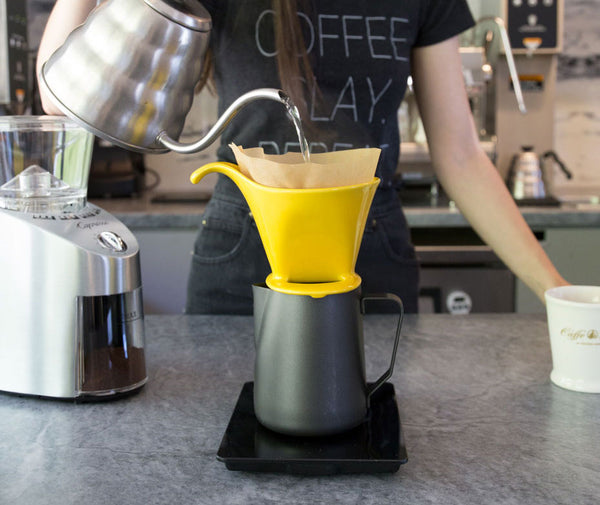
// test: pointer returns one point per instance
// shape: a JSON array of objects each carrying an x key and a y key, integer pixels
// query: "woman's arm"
[
  {"x": 66, "y": 15},
  {"x": 465, "y": 171}
]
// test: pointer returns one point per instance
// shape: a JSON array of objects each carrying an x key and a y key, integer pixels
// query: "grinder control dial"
[{"x": 110, "y": 240}]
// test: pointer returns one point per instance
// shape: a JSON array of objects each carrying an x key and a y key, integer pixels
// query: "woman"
[{"x": 345, "y": 64}]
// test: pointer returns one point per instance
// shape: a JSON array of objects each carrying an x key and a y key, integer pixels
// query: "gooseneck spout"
[{"x": 256, "y": 94}]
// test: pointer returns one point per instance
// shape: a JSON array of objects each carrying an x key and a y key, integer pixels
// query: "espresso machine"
[
  {"x": 534, "y": 30},
  {"x": 71, "y": 320},
  {"x": 510, "y": 60}
]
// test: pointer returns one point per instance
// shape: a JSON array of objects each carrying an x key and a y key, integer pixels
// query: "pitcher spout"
[
  {"x": 222, "y": 167},
  {"x": 252, "y": 191}
]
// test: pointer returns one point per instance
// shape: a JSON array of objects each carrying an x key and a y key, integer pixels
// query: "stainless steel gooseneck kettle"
[
  {"x": 526, "y": 177},
  {"x": 129, "y": 72}
]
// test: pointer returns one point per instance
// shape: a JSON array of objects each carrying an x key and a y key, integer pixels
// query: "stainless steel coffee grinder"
[{"x": 71, "y": 320}]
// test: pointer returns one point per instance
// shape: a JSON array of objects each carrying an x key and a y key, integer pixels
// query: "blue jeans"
[{"x": 229, "y": 257}]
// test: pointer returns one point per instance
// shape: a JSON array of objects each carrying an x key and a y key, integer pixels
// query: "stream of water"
[{"x": 294, "y": 115}]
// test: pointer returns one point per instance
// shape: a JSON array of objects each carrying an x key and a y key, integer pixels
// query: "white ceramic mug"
[{"x": 574, "y": 326}]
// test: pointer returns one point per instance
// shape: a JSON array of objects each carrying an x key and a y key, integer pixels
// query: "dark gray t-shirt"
[{"x": 360, "y": 54}]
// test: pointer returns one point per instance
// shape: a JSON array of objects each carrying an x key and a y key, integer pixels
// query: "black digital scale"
[{"x": 375, "y": 446}]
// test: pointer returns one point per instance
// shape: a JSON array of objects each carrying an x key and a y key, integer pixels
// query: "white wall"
[{"x": 577, "y": 131}]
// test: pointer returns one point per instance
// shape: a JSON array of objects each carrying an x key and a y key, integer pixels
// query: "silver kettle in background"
[
  {"x": 527, "y": 176},
  {"x": 129, "y": 72}
]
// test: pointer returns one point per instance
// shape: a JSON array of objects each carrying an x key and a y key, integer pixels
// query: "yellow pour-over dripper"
[{"x": 311, "y": 236}]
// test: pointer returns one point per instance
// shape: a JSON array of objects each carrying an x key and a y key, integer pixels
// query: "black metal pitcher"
[{"x": 309, "y": 376}]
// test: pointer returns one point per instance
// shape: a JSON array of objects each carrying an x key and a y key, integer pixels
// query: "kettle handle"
[
  {"x": 554, "y": 156},
  {"x": 388, "y": 373}
]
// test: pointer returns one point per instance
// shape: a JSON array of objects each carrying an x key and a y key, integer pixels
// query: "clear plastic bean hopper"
[{"x": 71, "y": 318}]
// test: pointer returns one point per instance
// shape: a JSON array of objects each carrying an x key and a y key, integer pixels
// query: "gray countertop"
[
  {"x": 144, "y": 213},
  {"x": 481, "y": 421}
]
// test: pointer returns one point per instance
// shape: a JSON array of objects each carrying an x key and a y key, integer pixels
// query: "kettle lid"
[
  {"x": 528, "y": 155},
  {"x": 188, "y": 13}
]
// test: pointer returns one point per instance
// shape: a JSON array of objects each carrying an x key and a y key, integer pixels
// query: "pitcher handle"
[{"x": 388, "y": 373}]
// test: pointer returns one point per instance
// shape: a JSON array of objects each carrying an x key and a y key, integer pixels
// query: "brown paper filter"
[{"x": 325, "y": 170}]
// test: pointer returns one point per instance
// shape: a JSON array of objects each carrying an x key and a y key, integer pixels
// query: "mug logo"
[{"x": 582, "y": 336}]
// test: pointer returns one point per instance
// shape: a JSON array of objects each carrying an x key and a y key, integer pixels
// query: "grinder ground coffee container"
[{"x": 71, "y": 319}]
